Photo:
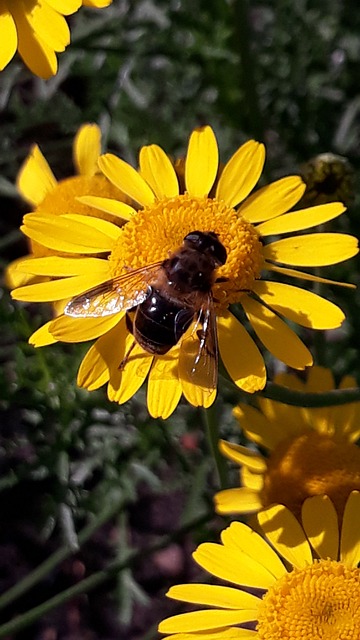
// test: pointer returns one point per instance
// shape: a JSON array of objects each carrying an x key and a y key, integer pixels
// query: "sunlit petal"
[
  {"x": 69, "y": 329},
  {"x": 241, "y": 500},
  {"x": 109, "y": 205},
  {"x": 295, "y": 273},
  {"x": 164, "y": 387},
  {"x": 241, "y": 173},
  {"x": 158, "y": 171},
  {"x": 8, "y": 36},
  {"x": 202, "y": 162},
  {"x": 87, "y": 149},
  {"x": 35, "y": 178},
  {"x": 126, "y": 178},
  {"x": 303, "y": 219},
  {"x": 301, "y": 306},
  {"x": 248, "y": 372},
  {"x": 277, "y": 336},
  {"x": 285, "y": 533},
  {"x": 350, "y": 539},
  {"x": 273, "y": 199},
  {"x": 243, "y": 455},
  {"x": 312, "y": 250},
  {"x": 321, "y": 526}
]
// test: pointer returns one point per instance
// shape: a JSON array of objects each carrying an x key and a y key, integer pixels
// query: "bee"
[{"x": 162, "y": 300}]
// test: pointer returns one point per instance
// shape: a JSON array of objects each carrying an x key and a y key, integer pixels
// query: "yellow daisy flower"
[
  {"x": 38, "y": 186},
  {"x": 38, "y": 30},
  {"x": 165, "y": 218},
  {"x": 295, "y": 583},
  {"x": 310, "y": 451}
]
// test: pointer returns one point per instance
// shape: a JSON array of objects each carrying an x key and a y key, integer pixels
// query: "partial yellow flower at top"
[
  {"x": 313, "y": 595},
  {"x": 37, "y": 184},
  {"x": 38, "y": 30},
  {"x": 310, "y": 451},
  {"x": 166, "y": 217}
]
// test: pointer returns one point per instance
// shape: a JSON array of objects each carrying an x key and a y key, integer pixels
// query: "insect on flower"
[{"x": 162, "y": 300}]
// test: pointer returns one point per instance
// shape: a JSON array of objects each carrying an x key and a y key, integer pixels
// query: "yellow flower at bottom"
[
  {"x": 153, "y": 232},
  {"x": 38, "y": 30},
  {"x": 314, "y": 596},
  {"x": 310, "y": 451}
]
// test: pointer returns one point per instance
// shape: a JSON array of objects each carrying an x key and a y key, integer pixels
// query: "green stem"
[
  {"x": 303, "y": 399},
  {"x": 60, "y": 555},
  {"x": 211, "y": 423},
  {"x": 25, "y": 619},
  {"x": 247, "y": 68}
]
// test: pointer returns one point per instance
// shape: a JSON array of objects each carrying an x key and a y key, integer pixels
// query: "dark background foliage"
[{"x": 147, "y": 71}]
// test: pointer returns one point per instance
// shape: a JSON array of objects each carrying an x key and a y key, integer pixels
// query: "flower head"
[
  {"x": 310, "y": 451},
  {"x": 37, "y": 184},
  {"x": 328, "y": 177},
  {"x": 156, "y": 228},
  {"x": 38, "y": 30},
  {"x": 315, "y": 594}
]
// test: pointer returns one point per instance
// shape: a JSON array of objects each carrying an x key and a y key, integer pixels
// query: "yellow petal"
[
  {"x": 58, "y": 266},
  {"x": 241, "y": 173},
  {"x": 273, "y": 199},
  {"x": 230, "y": 633},
  {"x": 36, "y": 54},
  {"x": 303, "y": 219},
  {"x": 251, "y": 480},
  {"x": 243, "y": 455},
  {"x": 87, "y": 149},
  {"x": 35, "y": 178},
  {"x": 42, "y": 337},
  {"x": 321, "y": 526},
  {"x": 199, "y": 383},
  {"x": 233, "y": 565},
  {"x": 8, "y": 36},
  {"x": 82, "y": 329},
  {"x": 94, "y": 370},
  {"x": 257, "y": 427},
  {"x": 73, "y": 234},
  {"x": 301, "y": 306},
  {"x": 350, "y": 539},
  {"x": 239, "y": 536},
  {"x": 65, "y": 7},
  {"x": 15, "y": 273},
  {"x": 319, "y": 379},
  {"x": 295, "y": 273},
  {"x": 97, "y": 4},
  {"x": 312, "y": 250},
  {"x": 202, "y": 161},
  {"x": 277, "y": 336},
  {"x": 48, "y": 25},
  {"x": 126, "y": 178},
  {"x": 109, "y": 205},
  {"x": 241, "y": 500},
  {"x": 285, "y": 533},
  {"x": 164, "y": 388},
  {"x": 247, "y": 371},
  {"x": 214, "y": 596},
  {"x": 125, "y": 383},
  {"x": 158, "y": 172},
  {"x": 204, "y": 620},
  {"x": 57, "y": 289}
]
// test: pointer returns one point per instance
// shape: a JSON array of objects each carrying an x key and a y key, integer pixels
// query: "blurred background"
[{"x": 101, "y": 490}]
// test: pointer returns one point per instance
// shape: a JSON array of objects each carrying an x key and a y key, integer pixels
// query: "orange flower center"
[
  {"x": 156, "y": 231},
  {"x": 320, "y": 602},
  {"x": 309, "y": 465}
]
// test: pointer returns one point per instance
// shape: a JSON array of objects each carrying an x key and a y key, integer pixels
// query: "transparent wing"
[
  {"x": 199, "y": 353},
  {"x": 118, "y": 294}
]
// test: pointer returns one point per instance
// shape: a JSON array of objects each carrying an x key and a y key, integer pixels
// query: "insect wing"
[
  {"x": 118, "y": 294},
  {"x": 199, "y": 355}
]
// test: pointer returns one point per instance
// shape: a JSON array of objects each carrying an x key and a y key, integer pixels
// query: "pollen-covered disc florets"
[
  {"x": 156, "y": 231},
  {"x": 319, "y": 601},
  {"x": 308, "y": 465}
]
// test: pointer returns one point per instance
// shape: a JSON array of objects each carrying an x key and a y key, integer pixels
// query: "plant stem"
[
  {"x": 303, "y": 399},
  {"x": 211, "y": 423},
  {"x": 60, "y": 555},
  {"x": 84, "y": 586}
]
